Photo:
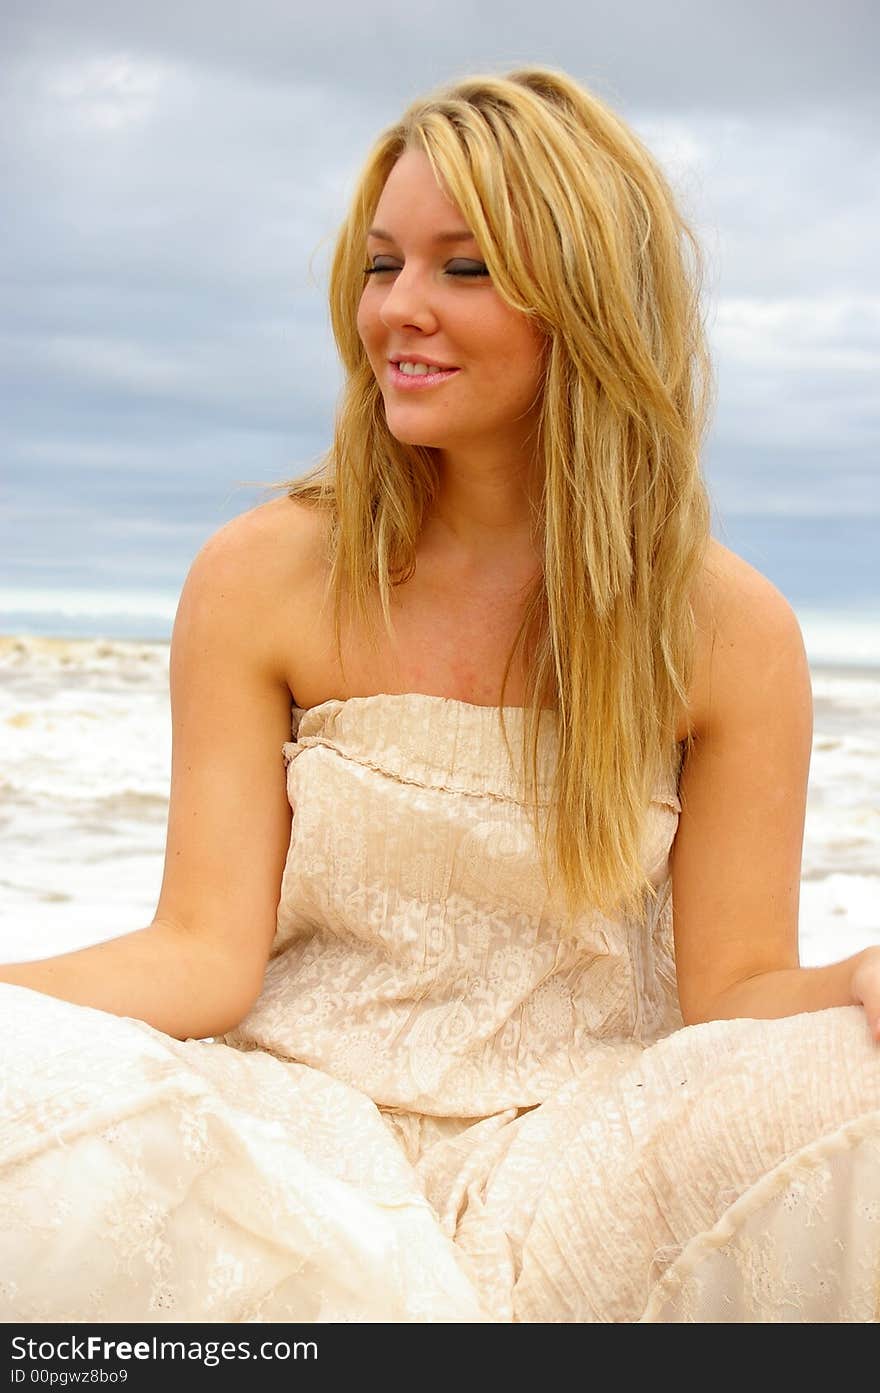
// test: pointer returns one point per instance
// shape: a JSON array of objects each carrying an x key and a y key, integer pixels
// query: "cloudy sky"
[{"x": 174, "y": 172}]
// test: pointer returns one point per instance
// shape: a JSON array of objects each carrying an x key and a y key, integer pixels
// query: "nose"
[{"x": 407, "y": 303}]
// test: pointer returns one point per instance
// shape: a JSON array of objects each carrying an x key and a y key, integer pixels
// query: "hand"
[{"x": 865, "y": 987}]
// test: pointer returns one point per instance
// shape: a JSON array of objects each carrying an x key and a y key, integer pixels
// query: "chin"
[{"x": 417, "y": 437}]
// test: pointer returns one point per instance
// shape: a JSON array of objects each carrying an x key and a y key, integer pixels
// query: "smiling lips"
[{"x": 415, "y": 373}]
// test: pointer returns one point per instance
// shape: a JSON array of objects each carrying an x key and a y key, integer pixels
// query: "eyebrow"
[{"x": 457, "y": 235}]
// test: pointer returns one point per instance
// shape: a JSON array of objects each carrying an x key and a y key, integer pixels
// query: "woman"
[{"x": 470, "y": 1068}]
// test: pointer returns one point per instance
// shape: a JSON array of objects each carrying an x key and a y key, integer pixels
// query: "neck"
[{"x": 485, "y": 507}]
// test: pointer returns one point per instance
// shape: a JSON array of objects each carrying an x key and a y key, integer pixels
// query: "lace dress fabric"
[{"x": 441, "y": 1108}]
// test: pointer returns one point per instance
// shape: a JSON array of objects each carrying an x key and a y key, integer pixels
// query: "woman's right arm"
[{"x": 198, "y": 967}]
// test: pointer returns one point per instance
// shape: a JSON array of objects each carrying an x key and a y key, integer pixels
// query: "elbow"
[
  {"x": 221, "y": 1022},
  {"x": 241, "y": 1000},
  {"x": 234, "y": 1000},
  {"x": 235, "y": 1012},
  {"x": 699, "y": 1010},
  {"x": 695, "y": 1017},
  {"x": 693, "y": 1011}
]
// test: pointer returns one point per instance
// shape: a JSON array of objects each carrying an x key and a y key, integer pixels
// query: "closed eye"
[{"x": 469, "y": 268}]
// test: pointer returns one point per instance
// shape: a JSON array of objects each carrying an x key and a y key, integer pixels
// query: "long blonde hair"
[{"x": 580, "y": 231}]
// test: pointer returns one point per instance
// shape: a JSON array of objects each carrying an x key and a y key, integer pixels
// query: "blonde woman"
[{"x": 414, "y": 1034}]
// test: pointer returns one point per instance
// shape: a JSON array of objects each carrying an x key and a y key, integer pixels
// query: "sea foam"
[{"x": 85, "y": 738}]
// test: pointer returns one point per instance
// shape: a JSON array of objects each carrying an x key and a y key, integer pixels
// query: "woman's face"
[{"x": 431, "y": 298}]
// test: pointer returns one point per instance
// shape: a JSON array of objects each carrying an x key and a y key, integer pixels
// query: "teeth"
[{"x": 418, "y": 369}]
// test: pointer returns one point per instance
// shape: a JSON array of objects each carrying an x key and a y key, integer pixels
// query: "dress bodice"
[{"x": 419, "y": 954}]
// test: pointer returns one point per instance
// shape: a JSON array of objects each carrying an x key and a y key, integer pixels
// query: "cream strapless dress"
[{"x": 440, "y": 1108}]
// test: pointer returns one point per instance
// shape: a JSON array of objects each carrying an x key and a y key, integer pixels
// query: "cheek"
[
  {"x": 531, "y": 347},
  {"x": 361, "y": 322},
  {"x": 518, "y": 359},
  {"x": 514, "y": 336},
  {"x": 368, "y": 323}
]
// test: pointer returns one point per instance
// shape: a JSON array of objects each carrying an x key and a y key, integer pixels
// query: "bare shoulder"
[
  {"x": 268, "y": 542},
  {"x": 258, "y": 567},
  {"x": 729, "y": 586},
  {"x": 749, "y": 640}
]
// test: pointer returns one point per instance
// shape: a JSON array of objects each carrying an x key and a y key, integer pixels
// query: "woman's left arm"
[{"x": 736, "y": 859}]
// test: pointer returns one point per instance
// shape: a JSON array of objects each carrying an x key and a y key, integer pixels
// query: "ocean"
[
  {"x": 85, "y": 732},
  {"x": 85, "y": 729}
]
